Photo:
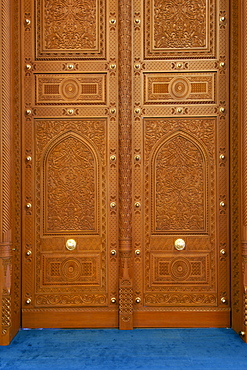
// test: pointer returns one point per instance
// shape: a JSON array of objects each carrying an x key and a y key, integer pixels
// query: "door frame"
[{"x": 11, "y": 162}]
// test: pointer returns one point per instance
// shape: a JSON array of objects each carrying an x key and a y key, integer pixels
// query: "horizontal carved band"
[
  {"x": 70, "y": 89},
  {"x": 171, "y": 88}
]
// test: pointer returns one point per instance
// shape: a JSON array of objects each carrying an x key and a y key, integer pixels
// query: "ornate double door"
[{"x": 125, "y": 163}]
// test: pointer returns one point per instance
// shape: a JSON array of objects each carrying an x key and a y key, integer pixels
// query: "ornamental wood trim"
[{"x": 125, "y": 162}]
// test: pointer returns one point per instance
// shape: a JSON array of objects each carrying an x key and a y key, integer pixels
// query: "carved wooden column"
[
  {"x": 244, "y": 162},
  {"x": 125, "y": 161},
  {"x": 5, "y": 173}
]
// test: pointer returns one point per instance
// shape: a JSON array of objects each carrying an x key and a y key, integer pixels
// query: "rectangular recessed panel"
[
  {"x": 179, "y": 28},
  {"x": 179, "y": 269},
  {"x": 67, "y": 89},
  {"x": 71, "y": 270},
  {"x": 192, "y": 88},
  {"x": 67, "y": 29}
]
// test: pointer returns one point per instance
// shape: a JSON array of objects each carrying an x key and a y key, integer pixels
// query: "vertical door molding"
[
  {"x": 125, "y": 163},
  {"x": 244, "y": 164},
  {"x": 6, "y": 258},
  {"x": 235, "y": 170}
]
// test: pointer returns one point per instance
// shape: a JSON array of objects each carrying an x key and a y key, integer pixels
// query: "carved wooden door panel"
[
  {"x": 69, "y": 163},
  {"x": 180, "y": 139}
]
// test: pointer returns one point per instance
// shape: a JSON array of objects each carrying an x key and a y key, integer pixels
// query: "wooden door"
[
  {"x": 169, "y": 265},
  {"x": 180, "y": 171},
  {"x": 70, "y": 143}
]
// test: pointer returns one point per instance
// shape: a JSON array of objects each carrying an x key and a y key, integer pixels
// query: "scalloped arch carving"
[
  {"x": 70, "y": 186},
  {"x": 180, "y": 186}
]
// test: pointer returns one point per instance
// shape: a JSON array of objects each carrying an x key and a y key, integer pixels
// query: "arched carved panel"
[
  {"x": 180, "y": 185},
  {"x": 70, "y": 187}
]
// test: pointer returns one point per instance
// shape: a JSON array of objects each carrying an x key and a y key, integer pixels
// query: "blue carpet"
[{"x": 152, "y": 349}]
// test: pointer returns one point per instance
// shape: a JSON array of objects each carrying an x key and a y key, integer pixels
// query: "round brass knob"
[
  {"x": 112, "y": 21},
  {"x": 28, "y": 67},
  {"x": 137, "y": 21},
  {"x": 70, "y": 111},
  {"x": 113, "y": 252},
  {"x": 222, "y": 110},
  {"x": 29, "y": 205},
  {"x": 28, "y": 112},
  {"x": 222, "y": 204},
  {"x": 222, "y": 19},
  {"x": 179, "y": 65},
  {"x": 137, "y": 252},
  {"x": 70, "y": 66},
  {"x": 137, "y": 66},
  {"x": 222, "y": 64},
  {"x": 28, "y": 301},
  {"x": 138, "y": 299},
  {"x": 28, "y": 253},
  {"x": 113, "y": 204},
  {"x": 70, "y": 244},
  {"x": 113, "y": 66},
  {"x": 113, "y": 158},
  {"x": 137, "y": 111},
  {"x": 137, "y": 204},
  {"x": 222, "y": 156},
  {"x": 180, "y": 110},
  {"x": 241, "y": 333},
  {"x": 179, "y": 244},
  {"x": 223, "y": 300},
  {"x": 113, "y": 110},
  {"x": 27, "y": 22},
  {"x": 222, "y": 251},
  {"x": 113, "y": 300},
  {"x": 137, "y": 158},
  {"x": 28, "y": 158}
]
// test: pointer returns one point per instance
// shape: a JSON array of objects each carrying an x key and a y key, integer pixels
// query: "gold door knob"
[
  {"x": 113, "y": 66},
  {"x": 113, "y": 110},
  {"x": 179, "y": 244},
  {"x": 223, "y": 300},
  {"x": 28, "y": 301},
  {"x": 27, "y": 22},
  {"x": 137, "y": 252},
  {"x": 222, "y": 19},
  {"x": 179, "y": 65},
  {"x": 138, "y": 299},
  {"x": 112, "y": 21},
  {"x": 222, "y": 157},
  {"x": 137, "y": 66},
  {"x": 28, "y": 253},
  {"x": 222, "y": 64},
  {"x": 28, "y": 112},
  {"x": 113, "y": 252},
  {"x": 29, "y": 205},
  {"x": 137, "y": 204},
  {"x": 222, "y": 204},
  {"x": 222, "y": 251},
  {"x": 179, "y": 110},
  {"x": 113, "y": 300},
  {"x": 70, "y": 244},
  {"x": 28, "y": 158},
  {"x": 113, "y": 158},
  {"x": 70, "y": 111},
  {"x": 222, "y": 110},
  {"x": 28, "y": 67},
  {"x": 137, "y": 21},
  {"x": 113, "y": 205}
]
